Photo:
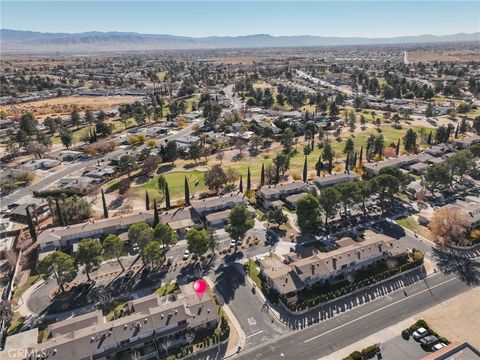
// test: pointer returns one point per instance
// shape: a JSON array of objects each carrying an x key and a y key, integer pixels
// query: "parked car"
[
  {"x": 420, "y": 333},
  {"x": 186, "y": 255},
  {"x": 232, "y": 244},
  {"x": 429, "y": 340},
  {"x": 438, "y": 346}
]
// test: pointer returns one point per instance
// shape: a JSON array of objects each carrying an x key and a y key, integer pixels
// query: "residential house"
[
  {"x": 271, "y": 196},
  {"x": 63, "y": 238},
  {"x": 207, "y": 206},
  {"x": 334, "y": 179}
]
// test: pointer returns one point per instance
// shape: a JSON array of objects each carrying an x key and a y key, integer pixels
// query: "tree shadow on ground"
[
  {"x": 448, "y": 261},
  {"x": 141, "y": 179},
  {"x": 164, "y": 168},
  {"x": 228, "y": 280}
]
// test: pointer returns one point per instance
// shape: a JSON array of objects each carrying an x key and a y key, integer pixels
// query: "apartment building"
[
  {"x": 300, "y": 270},
  {"x": 147, "y": 325}
]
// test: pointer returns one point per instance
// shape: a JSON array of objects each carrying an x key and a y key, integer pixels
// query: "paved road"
[
  {"x": 49, "y": 180},
  {"x": 232, "y": 288},
  {"x": 344, "y": 329}
]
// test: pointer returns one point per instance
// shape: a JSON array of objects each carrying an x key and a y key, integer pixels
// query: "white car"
[
  {"x": 438, "y": 346},
  {"x": 420, "y": 333},
  {"x": 232, "y": 243},
  {"x": 186, "y": 255}
]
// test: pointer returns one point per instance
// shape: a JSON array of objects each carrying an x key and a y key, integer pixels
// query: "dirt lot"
[
  {"x": 455, "y": 318},
  {"x": 461, "y": 55},
  {"x": 63, "y": 105}
]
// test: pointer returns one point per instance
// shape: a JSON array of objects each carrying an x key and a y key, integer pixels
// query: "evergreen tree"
[
  {"x": 305, "y": 170},
  {"x": 347, "y": 161},
  {"x": 354, "y": 164},
  {"x": 249, "y": 181},
  {"x": 156, "y": 219},
  {"x": 240, "y": 187},
  {"x": 31, "y": 225},
  {"x": 456, "y": 131},
  {"x": 167, "y": 196},
  {"x": 330, "y": 165},
  {"x": 429, "y": 140},
  {"x": 147, "y": 201},
  {"x": 398, "y": 147},
  {"x": 187, "y": 192},
  {"x": 104, "y": 203},
  {"x": 59, "y": 213},
  {"x": 360, "y": 160},
  {"x": 262, "y": 176},
  {"x": 277, "y": 175}
]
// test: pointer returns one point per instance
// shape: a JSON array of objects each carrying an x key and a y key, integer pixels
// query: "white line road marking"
[
  {"x": 375, "y": 311},
  {"x": 258, "y": 332}
]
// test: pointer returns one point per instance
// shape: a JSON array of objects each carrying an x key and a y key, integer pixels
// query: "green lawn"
[
  {"x": 390, "y": 135},
  {"x": 166, "y": 289},
  {"x": 77, "y": 134},
  {"x": 253, "y": 272},
  {"x": 409, "y": 223},
  {"x": 32, "y": 279},
  {"x": 175, "y": 181}
]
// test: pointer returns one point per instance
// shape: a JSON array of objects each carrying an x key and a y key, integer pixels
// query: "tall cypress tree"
[
  {"x": 155, "y": 213},
  {"x": 167, "y": 196},
  {"x": 31, "y": 225},
  {"x": 105, "y": 209},
  {"x": 262, "y": 176},
  {"x": 330, "y": 165},
  {"x": 456, "y": 132},
  {"x": 277, "y": 175},
  {"x": 429, "y": 140},
  {"x": 354, "y": 164},
  {"x": 398, "y": 147},
  {"x": 187, "y": 192},
  {"x": 249, "y": 181},
  {"x": 59, "y": 213},
  {"x": 305, "y": 170},
  {"x": 360, "y": 160},
  {"x": 147, "y": 201},
  {"x": 240, "y": 187},
  {"x": 347, "y": 161}
]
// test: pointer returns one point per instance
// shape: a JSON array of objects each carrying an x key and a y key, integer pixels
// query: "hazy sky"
[{"x": 201, "y": 18}]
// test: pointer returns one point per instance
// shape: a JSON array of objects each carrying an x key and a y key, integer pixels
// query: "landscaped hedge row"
[
  {"x": 366, "y": 353},
  {"x": 348, "y": 288},
  {"x": 422, "y": 323},
  {"x": 57, "y": 193}
]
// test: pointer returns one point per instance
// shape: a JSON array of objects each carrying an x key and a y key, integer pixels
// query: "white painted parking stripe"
[
  {"x": 377, "y": 310},
  {"x": 258, "y": 332}
]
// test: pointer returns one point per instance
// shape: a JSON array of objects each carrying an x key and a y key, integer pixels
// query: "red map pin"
[{"x": 200, "y": 286}]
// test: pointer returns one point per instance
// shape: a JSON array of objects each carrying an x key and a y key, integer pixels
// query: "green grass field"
[{"x": 175, "y": 181}]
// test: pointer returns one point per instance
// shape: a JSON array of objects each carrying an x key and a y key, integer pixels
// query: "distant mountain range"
[{"x": 38, "y": 42}]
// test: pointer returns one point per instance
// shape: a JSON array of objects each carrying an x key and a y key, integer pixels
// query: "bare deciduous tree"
[{"x": 448, "y": 226}]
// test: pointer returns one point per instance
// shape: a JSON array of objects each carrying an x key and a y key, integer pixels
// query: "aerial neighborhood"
[{"x": 326, "y": 193}]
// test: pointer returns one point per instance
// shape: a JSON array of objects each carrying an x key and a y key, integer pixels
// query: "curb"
[{"x": 233, "y": 320}]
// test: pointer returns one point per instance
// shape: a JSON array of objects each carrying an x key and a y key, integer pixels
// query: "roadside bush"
[{"x": 124, "y": 185}]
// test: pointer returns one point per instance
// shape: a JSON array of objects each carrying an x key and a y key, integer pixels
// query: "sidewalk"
[{"x": 379, "y": 337}]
